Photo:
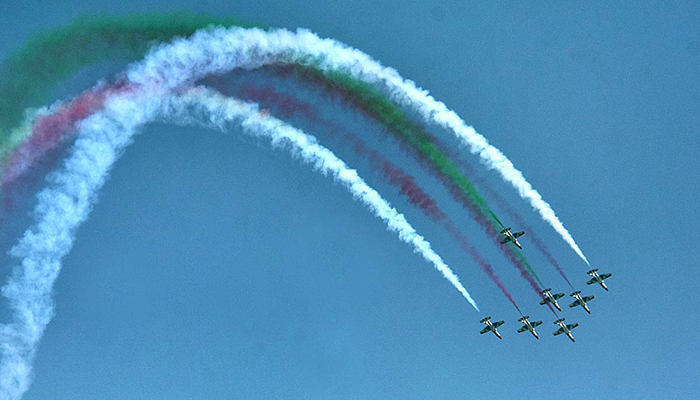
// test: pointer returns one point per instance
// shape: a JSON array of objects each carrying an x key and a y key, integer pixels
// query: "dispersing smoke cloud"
[
  {"x": 61, "y": 208},
  {"x": 218, "y": 110},
  {"x": 67, "y": 201}
]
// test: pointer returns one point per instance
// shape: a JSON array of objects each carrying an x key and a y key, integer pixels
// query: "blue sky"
[{"x": 214, "y": 267}]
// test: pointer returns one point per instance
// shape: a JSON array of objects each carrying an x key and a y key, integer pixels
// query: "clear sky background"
[{"x": 215, "y": 268}]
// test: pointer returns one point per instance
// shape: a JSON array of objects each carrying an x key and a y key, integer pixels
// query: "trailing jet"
[
  {"x": 565, "y": 328},
  {"x": 491, "y": 326},
  {"x": 511, "y": 237},
  {"x": 598, "y": 278},
  {"x": 551, "y": 298},
  {"x": 529, "y": 326},
  {"x": 581, "y": 301}
]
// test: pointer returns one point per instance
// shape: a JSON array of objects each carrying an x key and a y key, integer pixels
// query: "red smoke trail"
[
  {"x": 503, "y": 204},
  {"x": 288, "y": 106},
  {"x": 49, "y": 131},
  {"x": 346, "y": 97}
]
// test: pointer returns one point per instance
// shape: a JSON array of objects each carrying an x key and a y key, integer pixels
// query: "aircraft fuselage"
[
  {"x": 514, "y": 239},
  {"x": 567, "y": 331},
  {"x": 600, "y": 281},
  {"x": 531, "y": 329},
  {"x": 583, "y": 304},
  {"x": 493, "y": 329},
  {"x": 552, "y": 300}
]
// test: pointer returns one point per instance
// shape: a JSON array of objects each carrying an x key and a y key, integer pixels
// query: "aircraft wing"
[
  {"x": 588, "y": 298},
  {"x": 545, "y": 301},
  {"x": 522, "y": 328},
  {"x": 559, "y": 331},
  {"x": 575, "y": 303},
  {"x": 505, "y": 240},
  {"x": 498, "y": 323},
  {"x": 591, "y": 281},
  {"x": 572, "y": 326},
  {"x": 487, "y": 329},
  {"x": 536, "y": 323},
  {"x": 605, "y": 276},
  {"x": 505, "y": 229},
  {"x": 518, "y": 234},
  {"x": 558, "y": 296}
]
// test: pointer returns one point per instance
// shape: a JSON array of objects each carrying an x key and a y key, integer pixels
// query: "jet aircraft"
[
  {"x": 491, "y": 326},
  {"x": 581, "y": 301},
  {"x": 551, "y": 298},
  {"x": 598, "y": 278},
  {"x": 563, "y": 328},
  {"x": 511, "y": 237},
  {"x": 529, "y": 326}
]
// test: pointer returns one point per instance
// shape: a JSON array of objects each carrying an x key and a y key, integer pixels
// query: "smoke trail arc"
[
  {"x": 218, "y": 50},
  {"x": 66, "y": 203},
  {"x": 289, "y": 106},
  {"x": 220, "y": 110},
  {"x": 304, "y": 47},
  {"x": 132, "y": 34}
]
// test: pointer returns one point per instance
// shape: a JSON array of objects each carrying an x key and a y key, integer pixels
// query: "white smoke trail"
[
  {"x": 66, "y": 203},
  {"x": 219, "y": 110},
  {"x": 61, "y": 207},
  {"x": 218, "y": 50}
]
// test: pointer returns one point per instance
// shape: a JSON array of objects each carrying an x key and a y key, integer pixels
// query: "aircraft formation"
[{"x": 548, "y": 298}]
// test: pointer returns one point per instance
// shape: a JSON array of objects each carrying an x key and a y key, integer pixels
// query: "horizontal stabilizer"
[{"x": 505, "y": 230}]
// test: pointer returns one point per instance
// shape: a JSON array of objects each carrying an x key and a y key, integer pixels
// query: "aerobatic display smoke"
[
  {"x": 305, "y": 48},
  {"x": 290, "y": 106},
  {"x": 100, "y": 123},
  {"x": 67, "y": 201},
  {"x": 61, "y": 208},
  {"x": 220, "y": 110}
]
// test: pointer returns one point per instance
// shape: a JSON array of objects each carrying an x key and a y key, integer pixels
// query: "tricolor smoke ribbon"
[
  {"x": 217, "y": 50},
  {"x": 104, "y": 120},
  {"x": 67, "y": 201}
]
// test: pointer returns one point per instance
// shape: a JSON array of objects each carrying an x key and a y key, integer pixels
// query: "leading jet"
[
  {"x": 581, "y": 301},
  {"x": 598, "y": 278},
  {"x": 491, "y": 326},
  {"x": 529, "y": 326},
  {"x": 551, "y": 298},
  {"x": 511, "y": 237},
  {"x": 563, "y": 328}
]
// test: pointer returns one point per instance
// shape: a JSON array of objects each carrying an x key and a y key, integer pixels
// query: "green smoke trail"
[
  {"x": 375, "y": 103},
  {"x": 27, "y": 77}
]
